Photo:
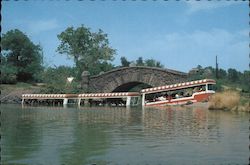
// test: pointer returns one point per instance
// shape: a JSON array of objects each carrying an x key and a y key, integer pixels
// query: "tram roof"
[
  {"x": 109, "y": 95},
  {"x": 83, "y": 95},
  {"x": 178, "y": 86}
]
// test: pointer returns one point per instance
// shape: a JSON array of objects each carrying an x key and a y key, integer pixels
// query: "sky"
[{"x": 179, "y": 34}]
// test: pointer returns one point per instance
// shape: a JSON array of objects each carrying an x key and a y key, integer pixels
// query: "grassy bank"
[{"x": 230, "y": 100}]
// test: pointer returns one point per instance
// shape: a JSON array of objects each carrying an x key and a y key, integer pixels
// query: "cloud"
[
  {"x": 36, "y": 27},
  {"x": 186, "y": 50},
  {"x": 195, "y": 6}
]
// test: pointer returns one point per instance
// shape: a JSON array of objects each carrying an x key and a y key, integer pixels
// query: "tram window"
[
  {"x": 188, "y": 92},
  {"x": 203, "y": 88},
  {"x": 211, "y": 87}
]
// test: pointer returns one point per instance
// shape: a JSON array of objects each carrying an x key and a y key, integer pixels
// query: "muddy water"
[{"x": 101, "y": 135}]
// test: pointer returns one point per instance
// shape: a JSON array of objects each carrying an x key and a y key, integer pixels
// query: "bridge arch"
[
  {"x": 131, "y": 87},
  {"x": 122, "y": 79}
]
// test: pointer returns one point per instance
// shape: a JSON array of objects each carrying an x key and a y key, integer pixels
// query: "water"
[{"x": 101, "y": 135}]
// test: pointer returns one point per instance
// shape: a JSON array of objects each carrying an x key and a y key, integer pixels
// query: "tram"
[{"x": 178, "y": 94}]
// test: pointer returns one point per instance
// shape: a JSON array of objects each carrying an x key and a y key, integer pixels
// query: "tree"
[
  {"x": 199, "y": 67},
  {"x": 8, "y": 72},
  {"x": 153, "y": 63},
  {"x": 245, "y": 79},
  {"x": 232, "y": 74},
  {"x": 209, "y": 72},
  {"x": 88, "y": 49},
  {"x": 101, "y": 67},
  {"x": 124, "y": 62},
  {"x": 21, "y": 53},
  {"x": 139, "y": 62},
  {"x": 56, "y": 80},
  {"x": 222, "y": 73}
]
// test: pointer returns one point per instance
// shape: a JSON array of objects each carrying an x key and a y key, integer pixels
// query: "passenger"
[
  {"x": 202, "y": 88},
  {"x": 181, "y": 95},
  {"x": 161, "y": 98},
  {"x": 169, "y": 97},
  {"x": 196, "y": 89},
  {"x": 186, "y": 94},
  {"x": 177, "y": 96}
]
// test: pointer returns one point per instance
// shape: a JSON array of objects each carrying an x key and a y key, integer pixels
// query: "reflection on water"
[
  {"x": 118, "y": 135},
  {"x": 186, "y": 123}
]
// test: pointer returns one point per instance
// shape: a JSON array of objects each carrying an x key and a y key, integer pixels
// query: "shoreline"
[{"x": 12, "y": 94}]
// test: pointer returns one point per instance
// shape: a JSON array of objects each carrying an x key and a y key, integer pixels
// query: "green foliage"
[
  {"x": 56, "y": 80},
  {"x": 245, "y": 79},
  {"x": 58, "y": 74},
  {"x": 88, "y": 49},
  {"x": 124, "y": 62},
  {"x": 219, "y": 85},
  {"x": 148, "y": 62},
  {"x": 196, "y": 74},
  {"x": 231, "y": 78},
  {"x": 101, "y": 67},
  {"x": 232, "y": 75},
  {"x": 140, "y": 62},
  {"x": 21, "y": 54},
  {"x": 222, "y": 74},
  {"x": 8, "y": 72},
  {"x": 153, "y": 63}
]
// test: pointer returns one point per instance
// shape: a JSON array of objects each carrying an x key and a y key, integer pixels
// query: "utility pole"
[{"x": 216, "y": 69}]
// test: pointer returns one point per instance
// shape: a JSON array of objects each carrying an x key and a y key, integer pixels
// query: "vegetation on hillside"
[
  {"x": 225, "y": 79},
  {"x": 56, "y": 80}
]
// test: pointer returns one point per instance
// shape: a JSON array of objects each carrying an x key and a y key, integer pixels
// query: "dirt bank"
[{"x": 12, "y": 94}]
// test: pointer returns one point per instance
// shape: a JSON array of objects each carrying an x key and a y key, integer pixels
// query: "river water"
[{"x": 102, "y": 135}]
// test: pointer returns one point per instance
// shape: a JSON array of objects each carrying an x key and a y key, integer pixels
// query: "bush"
[
  {"x": 226, "y": 100},
  {"x": 8, "y": 74},
  {"x": 56, "y": 80}
]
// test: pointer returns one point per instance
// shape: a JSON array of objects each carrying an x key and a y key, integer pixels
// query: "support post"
[
  {"x": 79, "y": 102},
  {"x": 65, "y": 101},
  {"x": 128, "y": 101},
  {"x": 22, "y": 101},
  {"x": 143, "y": 99}
]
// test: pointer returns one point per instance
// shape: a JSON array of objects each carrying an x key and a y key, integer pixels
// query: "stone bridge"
[{"x": 125, "y": 78}]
